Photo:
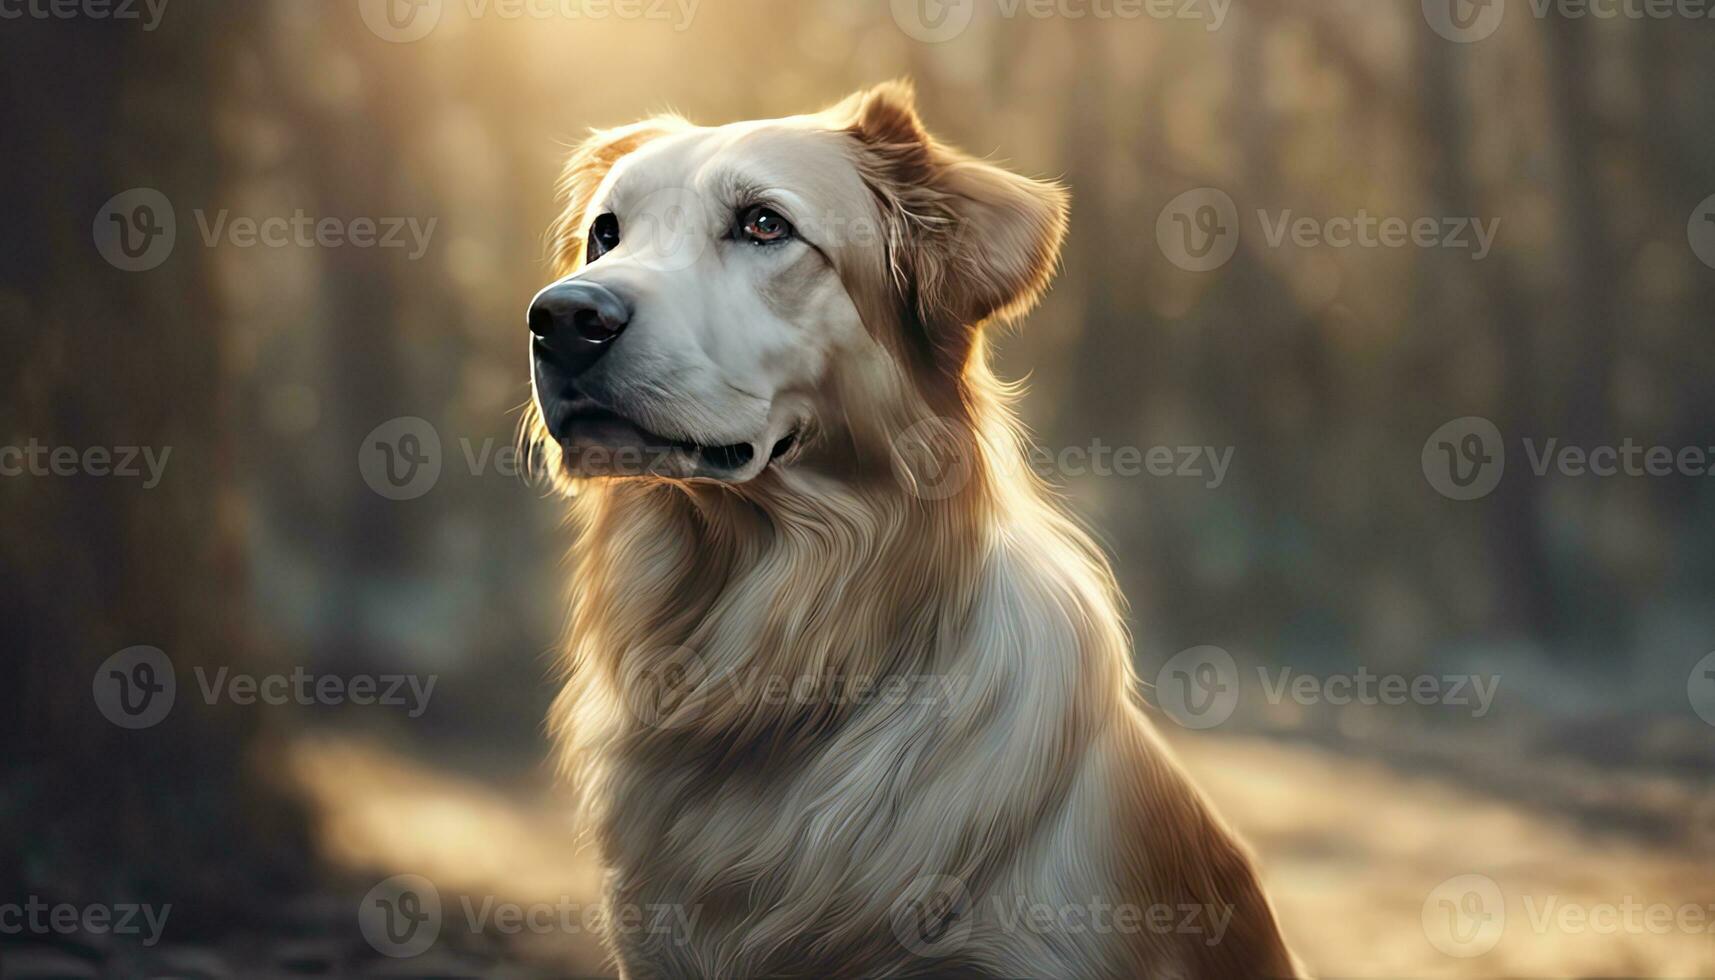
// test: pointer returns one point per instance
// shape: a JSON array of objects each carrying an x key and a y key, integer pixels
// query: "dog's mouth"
[{"x": 598, "y": 441}]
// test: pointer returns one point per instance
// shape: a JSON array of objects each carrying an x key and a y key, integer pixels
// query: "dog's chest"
[
  {"x": 685, "y": 829},
  {"x": 713, "y": 877}
]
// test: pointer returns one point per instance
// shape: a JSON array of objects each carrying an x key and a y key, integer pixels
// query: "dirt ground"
[
  {"x": 1378, "y": 869},
  {"x": 1383, "y": 873}
]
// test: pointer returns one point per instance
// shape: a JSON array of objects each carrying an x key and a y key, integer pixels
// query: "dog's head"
[{"x": 760, "y": 294}]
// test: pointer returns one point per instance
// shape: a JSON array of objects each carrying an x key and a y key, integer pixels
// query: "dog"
[{"x": 847, "y": 691}]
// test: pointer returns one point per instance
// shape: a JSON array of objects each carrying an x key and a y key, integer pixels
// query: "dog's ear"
[
  {"x": 584, "y": 171},
  {"x": 967, "y": 241}
]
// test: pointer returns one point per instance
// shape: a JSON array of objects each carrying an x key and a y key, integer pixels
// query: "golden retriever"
[{"x": 848, "y": 692}]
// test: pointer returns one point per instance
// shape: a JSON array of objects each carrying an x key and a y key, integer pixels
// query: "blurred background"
[{"x": 330, "y": 408}]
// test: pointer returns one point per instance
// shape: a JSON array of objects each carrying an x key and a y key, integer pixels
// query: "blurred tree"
[
  {"x": 1525, "y": 601},
  {"x": 92, "y": 356}
]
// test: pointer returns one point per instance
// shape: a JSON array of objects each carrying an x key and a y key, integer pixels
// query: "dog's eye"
[
  {"x": 764, "y": 226},
  {"x": 604, "y": 237}
]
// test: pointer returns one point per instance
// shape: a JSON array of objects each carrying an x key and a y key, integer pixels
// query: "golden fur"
[{"x": 900, "y": 542}]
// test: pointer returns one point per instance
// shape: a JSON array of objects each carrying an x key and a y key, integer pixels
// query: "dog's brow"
[
  {"x": 629, "y": 184},
  {"x": 730, "y": 187},
  {"x": 739, "y": 189}
]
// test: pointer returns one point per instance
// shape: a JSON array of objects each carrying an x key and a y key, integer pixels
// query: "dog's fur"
[{"x": 718, "y": 714}]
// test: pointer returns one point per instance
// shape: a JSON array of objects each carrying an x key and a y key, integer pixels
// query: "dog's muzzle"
[{"x": 575, "y": 323}]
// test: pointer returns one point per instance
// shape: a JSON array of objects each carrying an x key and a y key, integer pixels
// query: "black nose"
[{"x": 575, "y": 321}]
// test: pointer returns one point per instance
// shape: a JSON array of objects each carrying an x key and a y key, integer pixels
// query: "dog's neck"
[
  {"x": 731, "y": 616},
  {"x": 735, "y": 617},
  {"x": 723, "y": 643}
]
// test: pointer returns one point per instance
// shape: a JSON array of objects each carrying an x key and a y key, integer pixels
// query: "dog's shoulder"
[{"x": 1179, "y": 861}]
